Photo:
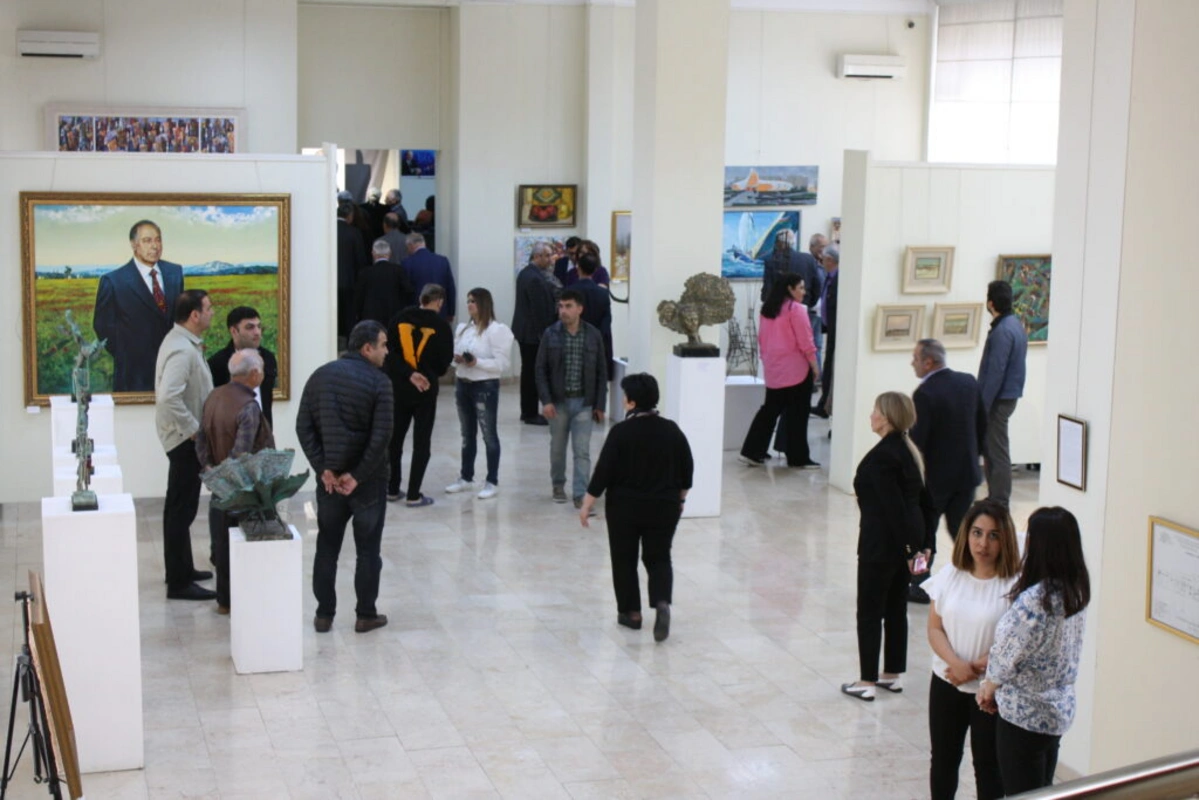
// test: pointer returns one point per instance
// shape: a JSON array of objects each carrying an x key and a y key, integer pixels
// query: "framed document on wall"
[
  {"x": 1072, "y": 452},
  {"x": 1172, "y": 593}
]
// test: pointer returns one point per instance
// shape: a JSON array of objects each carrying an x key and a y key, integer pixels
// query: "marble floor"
[{"x": 503, "y": 672}]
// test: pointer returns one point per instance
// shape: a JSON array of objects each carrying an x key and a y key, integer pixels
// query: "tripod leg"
[{"x": 12, "y": 723}]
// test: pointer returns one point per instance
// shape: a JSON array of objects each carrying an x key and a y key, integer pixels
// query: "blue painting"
[{"x": 749, "y": 239}]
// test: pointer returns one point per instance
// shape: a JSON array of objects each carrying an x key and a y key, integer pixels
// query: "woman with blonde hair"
[
  {"x": 889, "y": 484},
  {"x": 968, "y": 599}
]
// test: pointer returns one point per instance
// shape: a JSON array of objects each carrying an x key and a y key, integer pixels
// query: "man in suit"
[
  {"x": 394, "y": 237},
  {"x": 383, "y": 288},
  {"x": 351, "y": 257},
  {"x": 536, "y": 309},
  {"x": 950, "y": 427},
  {"x": 134, "y": 308},
  {"x": 597, "y": 303},
  {"x": 786, "y": 259},
  {"x": 424, "y": 267},
  {"x": 828, "y": 320},
  {"x": 245, "y": 332},
  {"x": 563, "y": 265}
]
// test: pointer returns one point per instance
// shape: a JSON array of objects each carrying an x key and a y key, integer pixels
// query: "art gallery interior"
[{"x": 503, "y": 672}]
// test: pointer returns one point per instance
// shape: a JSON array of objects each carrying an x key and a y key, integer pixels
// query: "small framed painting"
[
  {"x": 1072, "y": 452},
  {"x": 957, "y": 324},
  {"x": 622, "y": 244},
  {"x": 927, "y": 270},
  {"x": 898, "y": 327},
  {"x": 1030, "y": 278},
  {"x": 541, "y": 206}
]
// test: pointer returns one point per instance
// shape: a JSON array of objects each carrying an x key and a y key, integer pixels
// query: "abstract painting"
[{"x": 1029, "y": 277}]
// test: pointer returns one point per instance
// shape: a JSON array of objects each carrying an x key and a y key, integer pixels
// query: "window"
[{"x": 996, "y": 81}]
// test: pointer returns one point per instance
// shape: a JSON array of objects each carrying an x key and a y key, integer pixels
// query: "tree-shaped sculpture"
[
  {"x": 707, "y": 299},
  {"x": 251, "y": 487}
]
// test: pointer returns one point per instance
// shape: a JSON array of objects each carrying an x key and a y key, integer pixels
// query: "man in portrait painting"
[{"x": 134, "y": 304}]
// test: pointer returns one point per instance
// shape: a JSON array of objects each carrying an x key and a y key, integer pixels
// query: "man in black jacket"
[
  {"x": 383, "y": 289},
  {"x": 245, "y": 331},
  {"x": 420, "y": 348},
  {"x": 951, "y": 424},
  {"x": 344, "y": 426},
  {"x": 828, "y": 320},
  {"x": 351, "y": 257},
  {"x": 536, "y": 309},
  {"x": 597, "y": 303}
]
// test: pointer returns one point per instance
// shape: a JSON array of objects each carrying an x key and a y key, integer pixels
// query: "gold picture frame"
[
  {"x": 957, "y": 325},
  {"x": 75, "y": 251},
  {"x": 621, "y": 252},
  {"x": 1173, "y": 554},
  {"x": 927, "y": 270},
  {"x": 44, "y": 655},
  {"x": 551, "y": 205},
  {"x": 898, "y": 327}
]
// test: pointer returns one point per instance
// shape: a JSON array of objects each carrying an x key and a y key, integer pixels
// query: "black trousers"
[
  {"x": 367, "y": 507},
  {"x": 419, "y": 412},
  {"x": 178, "y": 514},
  {"x": 950, "y": 714},
  {"x": 649, "y": 525},
  {"x": 826, "y": 375},
  {"x": 882, "y": 597},
  {"x": 953, "y": 507},
  {"x": 794, "y": 403},
  {"x": 219, "y": 523},
  {"x": 528, "y": 380},
  {"x": 1027, "y": 760}
]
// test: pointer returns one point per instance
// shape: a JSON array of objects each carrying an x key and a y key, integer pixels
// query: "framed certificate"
[
  {"x": 1072, "y": 452},
  {"x": 1172, "y": 594}
]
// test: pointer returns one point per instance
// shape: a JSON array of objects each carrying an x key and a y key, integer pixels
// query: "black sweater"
[
  {"x": 645, "y": 457},
  {"x": 889, "y": 489}
]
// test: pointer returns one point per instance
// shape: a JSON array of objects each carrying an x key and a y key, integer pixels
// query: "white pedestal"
[
  {"x": 102, "y": 456},
  {"x": 90, "y": 560},
  {"x": 743, "y": 396},
  {"x": 695, "y": 400},
  {"x": 266, "y": 596},
  {"x": 106, "y": 480},
  {"x": 64, "y": 417}
]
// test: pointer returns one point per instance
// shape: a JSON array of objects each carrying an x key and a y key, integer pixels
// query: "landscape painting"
[
  {"x": 524, "y": 248},
  {"x": 79, "y": 248},
  {"x": 748, "y": 240},
  {"x": 1029, "y": 277},
  {"x": 770, "y": 186}
]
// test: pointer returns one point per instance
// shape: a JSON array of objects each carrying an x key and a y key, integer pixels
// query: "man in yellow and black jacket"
[{"x": 420, "y": 349}]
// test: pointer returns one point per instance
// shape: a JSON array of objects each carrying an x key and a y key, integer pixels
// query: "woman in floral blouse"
[{"x": 1034, "y": 661}]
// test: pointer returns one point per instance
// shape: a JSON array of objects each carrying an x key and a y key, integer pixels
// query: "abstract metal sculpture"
[
  {"x": 83, "y": 498},
  {"x": 707, "y": 299},
  {"x": 251, "y": 487}
]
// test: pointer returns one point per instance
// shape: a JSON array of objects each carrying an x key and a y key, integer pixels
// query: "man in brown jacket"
[{"x": 232, "y": 425}]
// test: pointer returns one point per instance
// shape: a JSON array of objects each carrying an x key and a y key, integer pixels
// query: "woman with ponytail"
[{"x": 889, "y": 485}]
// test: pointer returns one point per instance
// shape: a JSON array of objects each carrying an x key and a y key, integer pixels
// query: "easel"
[{"x": 26, "y": 685}]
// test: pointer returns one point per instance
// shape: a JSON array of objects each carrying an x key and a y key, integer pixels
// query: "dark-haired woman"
[
  {"x": 646, "y": 469},
  {"x": 1034, "y": 661},
  {"x": 968, "y": 599},
  {"x": 789, "y": 367}
]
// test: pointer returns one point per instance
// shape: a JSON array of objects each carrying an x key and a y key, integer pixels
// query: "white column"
[{"x": 678, "y": 162}]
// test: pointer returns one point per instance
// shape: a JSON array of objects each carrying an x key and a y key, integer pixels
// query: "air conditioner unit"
[
  {"x": 871, "y": 67},
  {"x": 58, "y": 44}
]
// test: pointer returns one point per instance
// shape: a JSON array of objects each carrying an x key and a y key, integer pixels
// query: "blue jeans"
[
  {"x": 573, "y": 418},
  {"x": 478, "y": 402}
]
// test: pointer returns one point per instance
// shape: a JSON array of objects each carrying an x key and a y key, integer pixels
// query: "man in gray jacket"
[
  {"x": 572, "y": 384},
  {"x": 1001, "y": 383},
  {"x": 182, "y": 383}
]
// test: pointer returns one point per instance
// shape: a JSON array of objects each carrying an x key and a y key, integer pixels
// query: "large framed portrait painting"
[{"x": 118, "y": 262}]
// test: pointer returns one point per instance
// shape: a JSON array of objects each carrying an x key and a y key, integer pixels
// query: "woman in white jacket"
[{"x": 482, "y": 348}]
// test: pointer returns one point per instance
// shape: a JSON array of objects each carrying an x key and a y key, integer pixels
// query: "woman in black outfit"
[
  {"x": 646, "y": 468},
  {"x": 889, "y": 484}
]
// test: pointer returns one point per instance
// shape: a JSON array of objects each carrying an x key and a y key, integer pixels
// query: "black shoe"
[
  {"x": 368, "y": 624},
  {"x": 918, "y": 595},
  {"x": 662, "y": 623},
  {"x": 201, "y": 575},
  {"x": 191, "y": 592},
  {"x": 628, "y": 621},
  {"x": 322, "y": 624},
  {"x": 537, "y": 420},
  {"x": 819, "y": 411}
]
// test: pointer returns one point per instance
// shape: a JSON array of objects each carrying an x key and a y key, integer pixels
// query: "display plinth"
[
  {"x": 266, "y": 616},
  {"x": 694, "y": 400},
  {"x": 90, "y": 562},
  {"x": 64, "y": 418},
  {"x": 105, "y": 480},
  {"x": 102, "y": 456},
  {"x": 743, "y": 396}
]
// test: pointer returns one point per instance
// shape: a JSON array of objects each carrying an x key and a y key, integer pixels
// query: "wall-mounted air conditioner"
[
  {"x": 871, "y": 67},
  {"x": 58, "y": 44}
]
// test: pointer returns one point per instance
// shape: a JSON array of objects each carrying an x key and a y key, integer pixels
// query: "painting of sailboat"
[{"x": 749, "y": 239}]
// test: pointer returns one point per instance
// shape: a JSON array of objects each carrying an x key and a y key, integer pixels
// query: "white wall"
[
  {"x": 25, "y": 472},
  {"x": 221, "y": 53},
  {"x": 982, "y": 212}
]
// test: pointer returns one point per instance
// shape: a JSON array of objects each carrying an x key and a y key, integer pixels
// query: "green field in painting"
[{"x": 54, "y": 349}]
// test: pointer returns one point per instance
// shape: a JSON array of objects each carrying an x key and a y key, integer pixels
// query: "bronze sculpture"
[
  {"x": 707, "y": 299},
  {"x": 251, "y": 487},
  {"x": 83, "y": 498}
]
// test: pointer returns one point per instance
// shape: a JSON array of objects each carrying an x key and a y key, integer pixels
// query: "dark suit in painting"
[{"x": 127, "y": 316}]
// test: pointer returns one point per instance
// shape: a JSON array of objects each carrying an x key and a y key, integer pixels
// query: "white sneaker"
[
  {"x": 489, "y": 491},
  {"x": 459, "y": 486}
]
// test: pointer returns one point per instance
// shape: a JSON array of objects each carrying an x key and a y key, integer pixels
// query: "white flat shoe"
[
  {"x": 890, "y": 684},
  {"x": 860, "y": 692}
]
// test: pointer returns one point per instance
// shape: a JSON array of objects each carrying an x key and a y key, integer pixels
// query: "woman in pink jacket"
[{"x": 789, "y": 366}]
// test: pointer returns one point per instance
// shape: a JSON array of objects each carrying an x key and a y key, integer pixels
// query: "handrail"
[{"x": 1167, "y": 778}]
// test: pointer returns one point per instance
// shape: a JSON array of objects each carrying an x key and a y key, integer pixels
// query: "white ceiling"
[{"x": 842, "y": 6}]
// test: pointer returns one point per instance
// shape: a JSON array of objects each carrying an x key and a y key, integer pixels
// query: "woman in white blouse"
[
  {"x": 968, "y": 599},
  {"x": 482, "y": 349}
]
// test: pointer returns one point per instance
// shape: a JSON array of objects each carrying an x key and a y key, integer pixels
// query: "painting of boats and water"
[{"x": 749, "y": 239}]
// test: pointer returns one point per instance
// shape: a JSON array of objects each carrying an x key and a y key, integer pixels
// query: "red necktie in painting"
[{"x": 160, "y": 299}]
